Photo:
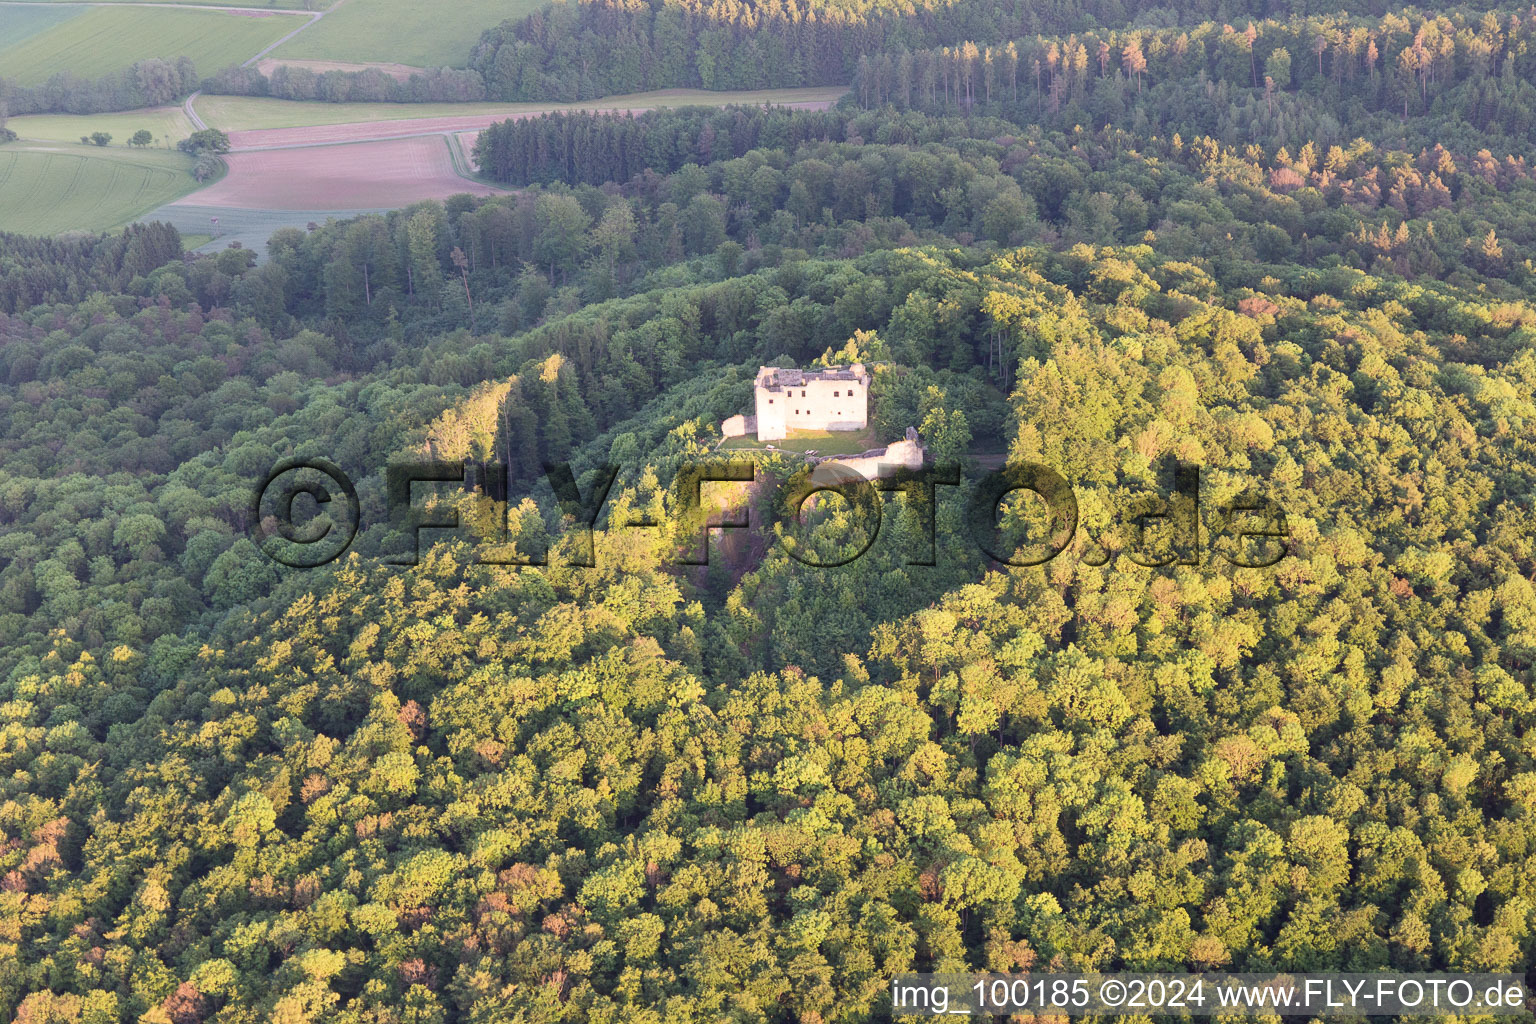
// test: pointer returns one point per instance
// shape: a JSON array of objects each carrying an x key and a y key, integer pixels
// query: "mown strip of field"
[
  {"x": 50, "y": 190},
  {"x": 250, "y": 228},
  {"x": 242, "y": 113},
  {"x": 106, "y": 39}
]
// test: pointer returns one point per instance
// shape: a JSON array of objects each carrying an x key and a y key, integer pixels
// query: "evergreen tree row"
[
  {"x": 35, "y": 271},
  {"x": 582, "y": 147}
]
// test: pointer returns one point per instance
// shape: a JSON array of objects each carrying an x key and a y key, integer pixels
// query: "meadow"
[
  {"x": 246, "y": 113},
  {"x": 106, "y": 39},
  {"x": 169, "y": 125},
  {"x": 414, "y": 32},
  {"x": 281, "y": 5},
  {"x": 45, "y": 191},
  {"x": 20, "y": 22}
]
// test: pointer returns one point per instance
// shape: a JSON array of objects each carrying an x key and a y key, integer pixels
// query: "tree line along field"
[
  {"x": 94, "y": 41},
  {"x": 54, "y": 190},
  {"x": 412, "y": 32}
]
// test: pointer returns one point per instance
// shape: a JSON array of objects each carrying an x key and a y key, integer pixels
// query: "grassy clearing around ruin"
[{"x": 822, "y": 442}]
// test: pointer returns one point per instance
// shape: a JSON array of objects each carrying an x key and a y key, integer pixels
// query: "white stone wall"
[
  {"x": 738, "y": 426},
  {"x": 770, "y": 415},
  {"x": 902, "y": 454},
  {"x": 813, "y": 404}
]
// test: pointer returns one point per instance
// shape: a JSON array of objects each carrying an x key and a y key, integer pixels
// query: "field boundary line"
[{"x": 343, "y": 142}]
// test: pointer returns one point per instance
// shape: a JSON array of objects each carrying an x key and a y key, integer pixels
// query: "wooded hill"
[{"x": 754, "y": 791}]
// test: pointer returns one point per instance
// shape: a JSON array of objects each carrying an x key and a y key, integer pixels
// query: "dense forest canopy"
[
  {"x": 595, "y": 47},
  {"x": 754, "y": 790}
]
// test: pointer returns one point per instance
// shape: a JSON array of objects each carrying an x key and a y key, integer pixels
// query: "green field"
[
  {"x": 422, "y": 33},
  {"x": 19, "y": 22},
  {"x": 239, "y": 113},
  {"x": 289, "y": 5},
  {"x": 107, "y": 39},
  {"x": 168, "y": 125},
  {"x": 70, "y": 188}
]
